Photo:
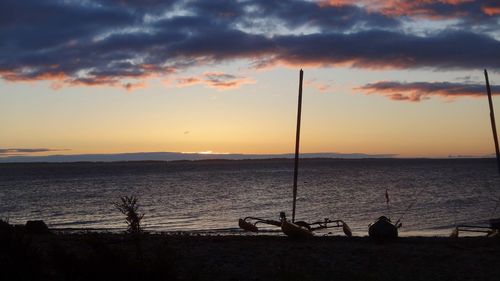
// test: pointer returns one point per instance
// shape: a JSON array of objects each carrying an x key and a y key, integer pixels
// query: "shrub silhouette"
[{"x": 128, "y": 206}]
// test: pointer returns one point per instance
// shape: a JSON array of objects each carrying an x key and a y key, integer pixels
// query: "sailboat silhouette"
[{"x": 291, "y": 228}]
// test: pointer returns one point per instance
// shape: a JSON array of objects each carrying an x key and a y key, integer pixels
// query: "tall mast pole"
[
  {"x": 492, "y": 118},
  {"x": 297, "y": 142}
]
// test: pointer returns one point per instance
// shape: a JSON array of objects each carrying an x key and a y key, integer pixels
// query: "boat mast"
[
  {"x": 492, "y": 118},
  {"x": 297, "y": 141}
]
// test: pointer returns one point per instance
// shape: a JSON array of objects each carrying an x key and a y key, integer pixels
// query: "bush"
[{"x": 128, "y": 206}]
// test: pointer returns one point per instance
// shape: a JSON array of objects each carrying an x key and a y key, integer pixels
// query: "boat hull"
[
  {"x": 495, "y": 223},
  {"x": 383, "y": 230},
  {"x": 247, "y": 226},
  {"x": 293, "y": 230}
]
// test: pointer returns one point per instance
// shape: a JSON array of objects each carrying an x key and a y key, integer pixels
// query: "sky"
[{"x": 380, "y": 77}]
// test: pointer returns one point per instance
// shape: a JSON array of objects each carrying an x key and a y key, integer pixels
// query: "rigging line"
[
  {"x": 496, "y": 207},
  {"x": 411, "y": 204}
]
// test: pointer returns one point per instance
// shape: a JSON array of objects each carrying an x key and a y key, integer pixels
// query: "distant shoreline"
[
  {"x": 176, "y": 156},
  {"x": 249, "y": 160}
]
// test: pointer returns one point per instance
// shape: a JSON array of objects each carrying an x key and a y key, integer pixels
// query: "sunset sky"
[{"x": 381, "y": 77}]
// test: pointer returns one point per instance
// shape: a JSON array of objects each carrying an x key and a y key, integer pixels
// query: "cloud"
[
  {"x": 220, "y": 80},
  {"x": 122, "y": 43},
  {"x": 461, "y": 10},
  {"x": 319, "y": 86},
  {"x": 188, "y": 81},
  {"x": 418, "y": 91},
  {"x": 295, "y": 14},
  {"x": 385, "y": 49},
  {"x": 491, "y": 10},
  {"x": 22, "y": 151},
  {"x": 217, "y": 80},
  {"x": 433, "y": 9},
  {"x": 134, "y": 86}
]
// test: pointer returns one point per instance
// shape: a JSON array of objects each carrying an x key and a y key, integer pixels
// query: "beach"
[{"x": 184, "y": 256}]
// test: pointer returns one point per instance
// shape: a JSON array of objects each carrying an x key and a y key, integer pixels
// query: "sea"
[{"x": 429, "y": 196}]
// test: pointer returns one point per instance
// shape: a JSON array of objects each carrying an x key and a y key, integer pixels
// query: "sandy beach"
[{"x": 105, "y": 256}]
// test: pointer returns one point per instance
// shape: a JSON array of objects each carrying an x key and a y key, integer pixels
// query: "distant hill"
[{"x": 175, "y": 156}]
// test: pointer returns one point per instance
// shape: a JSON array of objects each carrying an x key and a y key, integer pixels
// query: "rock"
[
  {"x": 36, "y": 227},
  {"x": 5, "y": 228}
]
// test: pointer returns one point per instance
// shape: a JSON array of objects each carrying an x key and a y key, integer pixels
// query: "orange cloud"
[
  {"x": 319, "y": 86},
  {"x": 134, "y": 86},
  {"x": 188, "y": 81},
  {"x": 152, "y": 68},
  {"x": 59, "y": 80},
  {"x": 491, "y": 11},
  {"x": 93, "y": 81},
  {"x": 420, "y": 8},
  {"x": 14, "y": 76},
  {"x": 217, "y": 80},
  {"x": 414, "y": 8},
  {"x": 102, "y": 81},
  {"x": 336, "y": 3}
]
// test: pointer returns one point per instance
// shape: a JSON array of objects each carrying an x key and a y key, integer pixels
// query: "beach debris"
[
  {"x": 36, "y": 227},
  {"x": 129, "y": 207},
  {"x": 493, "y": 230}
]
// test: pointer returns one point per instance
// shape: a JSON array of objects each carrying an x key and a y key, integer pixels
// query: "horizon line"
[{"x": 166, "y": 156}]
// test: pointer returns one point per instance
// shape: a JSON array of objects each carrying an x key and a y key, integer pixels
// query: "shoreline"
[
  {"x": 236, "y": 231},
  {"x": 266, "y": 232},
  {"x": 110, "y": 256}
]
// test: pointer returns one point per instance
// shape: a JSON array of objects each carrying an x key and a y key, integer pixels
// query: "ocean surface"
[{"x": 429, "y": 195}]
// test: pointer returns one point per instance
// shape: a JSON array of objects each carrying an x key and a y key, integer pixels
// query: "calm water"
[{"x": 212, "y": 195}]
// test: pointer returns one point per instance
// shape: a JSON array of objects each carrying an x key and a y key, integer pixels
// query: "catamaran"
[
  {"x": 493, "y": 230},
  {"x": 292, "y": 228}
]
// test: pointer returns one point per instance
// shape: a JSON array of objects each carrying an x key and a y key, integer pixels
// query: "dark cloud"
[
  {"x": 122, "y": 42},
  {"x": 418, "y": 91},
  {"x": 35, "y": 25},
  {"x": 139, "y": 5},
  {"x": 10, "y": 151},
  {"x": 222, "y": 11},
  {"x": 386, "y": 49},
  {"x": 298, "y": 13}
]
